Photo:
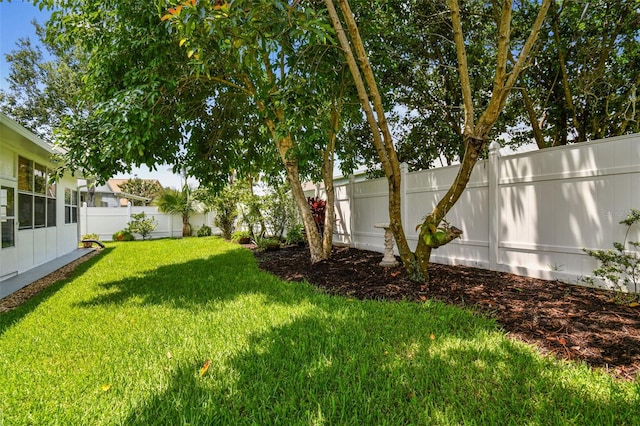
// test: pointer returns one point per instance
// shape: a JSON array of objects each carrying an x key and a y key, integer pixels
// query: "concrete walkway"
[{"x": 13, "y": 284}]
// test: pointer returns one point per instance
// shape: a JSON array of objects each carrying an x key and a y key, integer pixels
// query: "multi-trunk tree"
[
  {"x": 227, "y": 87},
  {"x": 435, "y": 231},
  {"x": 266, "y": 51}
]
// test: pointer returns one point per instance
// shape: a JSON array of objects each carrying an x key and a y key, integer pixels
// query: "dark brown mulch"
[{"x": 569, "y": 321}]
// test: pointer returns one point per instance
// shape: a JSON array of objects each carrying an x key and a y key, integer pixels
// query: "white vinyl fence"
[
  {"x": 105, "y": 221},
  {"x": 530, "y": 214}
]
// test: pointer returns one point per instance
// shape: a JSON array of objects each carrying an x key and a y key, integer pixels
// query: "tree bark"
[
  {"x": 433, "y": 233},
  {"x": 327, "y": 177},
  {"x": 382, "y": 139},
  {"x": 533, "y": 119},
  {"x": 291, "y": 166}
]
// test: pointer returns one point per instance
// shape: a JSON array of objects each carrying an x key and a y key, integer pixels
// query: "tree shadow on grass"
[
  {"x": 349, "y": 364},
  {"x": 11, "y": 317},
  {"x": 194, "y": 284}
]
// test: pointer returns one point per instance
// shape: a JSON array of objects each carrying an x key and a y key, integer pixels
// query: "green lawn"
[{"x": 124, "y": 339}]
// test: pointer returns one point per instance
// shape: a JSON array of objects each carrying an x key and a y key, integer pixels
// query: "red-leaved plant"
[{"x": 318, "y": 207}]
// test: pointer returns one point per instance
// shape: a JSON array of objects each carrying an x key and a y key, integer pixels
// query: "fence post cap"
[{"x": 494, "y": 147}]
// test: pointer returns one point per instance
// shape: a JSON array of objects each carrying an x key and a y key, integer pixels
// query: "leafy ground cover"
[{"x": 126, "y": 338}]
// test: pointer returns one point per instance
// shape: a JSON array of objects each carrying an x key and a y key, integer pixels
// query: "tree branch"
[{"x": 463, "y": 67}]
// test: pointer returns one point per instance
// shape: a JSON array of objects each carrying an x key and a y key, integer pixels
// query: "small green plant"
[
  {"x": 241, "y": 237},
  {"x": 141, "y": 224},
  {"x": 86, "y": 238},
  {"x": 267, "y": 244},
  {"x": 204, "y": 231},
  {"x": 295, "y": 235},
  {"x": 123, "y": 235},
  {"x": 620, "y": 267}
]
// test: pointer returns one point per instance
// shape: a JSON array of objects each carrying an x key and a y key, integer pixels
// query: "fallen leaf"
[
  {"x": 395, "y": 274},
  {"x": 432, "y": 336},
  {"x": 411, "y": 395},
  {"x": 423, "y": 298},
  {"x": 169, "y": 355},
  {"x": 634, "y": 304},
  {"x": 205, "y": 367},
  {"x": 106, "y": 388},
  {"x": 562, "y": 341}
]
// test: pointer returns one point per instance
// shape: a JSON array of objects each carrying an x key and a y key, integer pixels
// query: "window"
[
  {"x": 36, "y": 197},
  {"x": 25, "y": 175},
  {"x": 25, "y": 211},
  {"x": 70, "y": 206},
  {"x": 7, "y": 218}
]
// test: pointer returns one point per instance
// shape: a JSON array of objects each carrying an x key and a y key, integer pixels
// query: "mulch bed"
[{"x": 568, "y": 321}]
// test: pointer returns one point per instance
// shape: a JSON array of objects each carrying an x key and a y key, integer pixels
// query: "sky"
[{"x": 15, "y": 23}]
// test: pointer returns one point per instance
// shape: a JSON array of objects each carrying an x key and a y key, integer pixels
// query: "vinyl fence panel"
[{"x": 531, "y": 213}]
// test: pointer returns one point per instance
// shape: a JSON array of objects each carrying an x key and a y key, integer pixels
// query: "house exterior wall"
[{"x": 39, "y": 242}]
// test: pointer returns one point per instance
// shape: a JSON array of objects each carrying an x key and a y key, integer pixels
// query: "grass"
[{"x": 124, "y": 339}]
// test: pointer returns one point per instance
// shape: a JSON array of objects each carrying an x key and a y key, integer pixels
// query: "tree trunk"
[
  {"x": 432, "y": 233},
  {"x": 327, "y": 178},
  {"x": 369, "y": 94},
  {"x": 428, "y": 238},
  {"x": 186, "y": 227},
  {"x": 291, "y": 166},
  {"x": 533, "y": 119}
]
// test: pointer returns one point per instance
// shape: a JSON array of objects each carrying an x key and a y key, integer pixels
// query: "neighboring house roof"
[{"x": 112, "y": 186}]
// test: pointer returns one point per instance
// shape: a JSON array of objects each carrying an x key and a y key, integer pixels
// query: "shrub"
[
  {"x": 123, "y": 235},
  {"x": 204, "y": 231},
  {"x": 142, "y": 225},
  {"x": 267, "y": 244},
  {"x": 620, "y": 267},
  {"x": 242, "y": 237},
  {"x": 90, "y": 237},
  {"x": 318, "y": 207},
  {"x": 279, "y": 211},
  {"x": 250, "y": 214},
  {"x": 295, "y": 235}
]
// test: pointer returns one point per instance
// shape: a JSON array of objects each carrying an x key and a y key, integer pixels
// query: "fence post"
[
  {"x": 84, "y": 221},
  {"x": 404, "y": 170},
  {"x": 494, "y": 204},
  {"x": 129, "y": 211},
  {"x": 351, "y": 198}
]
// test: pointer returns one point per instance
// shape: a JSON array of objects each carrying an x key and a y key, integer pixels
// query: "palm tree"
[{"x": 183, "y": 203}]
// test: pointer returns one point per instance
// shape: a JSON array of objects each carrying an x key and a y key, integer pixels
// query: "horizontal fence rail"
[{"x": 105, "y": 221}]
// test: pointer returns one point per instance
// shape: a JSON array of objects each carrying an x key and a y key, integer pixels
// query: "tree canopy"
[{"x": 261, "y": 86}]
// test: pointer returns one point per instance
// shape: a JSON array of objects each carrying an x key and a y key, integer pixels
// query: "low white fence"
[
  {"x": 529, "y": 214},
  {"x": 105, "y": 221}
]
